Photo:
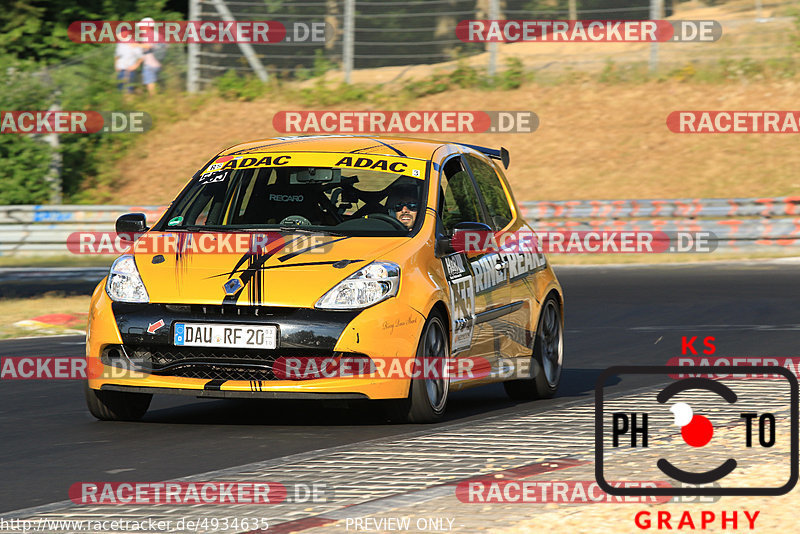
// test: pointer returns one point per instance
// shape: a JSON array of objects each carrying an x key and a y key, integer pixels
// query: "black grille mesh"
[{"x": 214, "y": 364}]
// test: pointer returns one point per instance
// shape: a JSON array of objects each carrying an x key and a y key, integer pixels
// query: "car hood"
[{"x": 292, "y": 270}]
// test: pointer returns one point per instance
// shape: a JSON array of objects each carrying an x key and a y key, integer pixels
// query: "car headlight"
[
  {"x": 124, "y": 283},
  {"x": 371, "y": 284}
]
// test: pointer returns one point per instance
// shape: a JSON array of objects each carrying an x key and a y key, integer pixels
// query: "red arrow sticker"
[{"x": 155, "y": 326}]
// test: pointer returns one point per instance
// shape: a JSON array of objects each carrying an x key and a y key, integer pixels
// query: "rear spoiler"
[{"x": 501, "y": 154}]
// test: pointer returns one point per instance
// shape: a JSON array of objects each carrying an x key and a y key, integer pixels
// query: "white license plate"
[{"x": 240, "y": 336}]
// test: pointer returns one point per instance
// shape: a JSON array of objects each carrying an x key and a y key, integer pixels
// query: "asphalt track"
[{"x": 614, "y": 315}]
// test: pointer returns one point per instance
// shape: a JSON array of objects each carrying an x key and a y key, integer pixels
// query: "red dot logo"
[{"x": 696, "y": 430}]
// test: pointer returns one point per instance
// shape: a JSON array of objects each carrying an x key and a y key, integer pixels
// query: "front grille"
[
  {"x": 221, "y": 372},
  {"x": 164, "y": 356},
  {"x": 228, "y": 311},
  {"x": 215, "y": 364}
]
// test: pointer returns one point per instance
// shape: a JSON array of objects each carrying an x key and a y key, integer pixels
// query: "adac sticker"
[
  {"x": 406, "y": 166},
  {"x": 265, "y": 161},
  {"x": 376, "y": 164}
]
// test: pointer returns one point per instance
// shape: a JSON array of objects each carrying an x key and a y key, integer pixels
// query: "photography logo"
[{"x": 702, "y": 436}]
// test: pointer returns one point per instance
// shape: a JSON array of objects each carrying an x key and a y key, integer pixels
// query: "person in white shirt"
[{"x": 127, "y": 57}]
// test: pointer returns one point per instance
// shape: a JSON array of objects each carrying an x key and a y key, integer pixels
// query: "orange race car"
[{"x": 307, "y": 267}]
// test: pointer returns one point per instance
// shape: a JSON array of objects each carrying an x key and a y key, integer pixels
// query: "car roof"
[{"x": 358, "y": 144}]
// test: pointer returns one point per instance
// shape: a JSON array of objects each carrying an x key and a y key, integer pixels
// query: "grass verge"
[
  {"x": 57, "y": 261},
  {"x": 13, "y": 310}
]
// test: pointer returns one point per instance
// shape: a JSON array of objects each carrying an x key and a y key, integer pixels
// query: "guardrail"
[
  {"x": 35, "y": 230},
  {"x": 736, "y": 222}
]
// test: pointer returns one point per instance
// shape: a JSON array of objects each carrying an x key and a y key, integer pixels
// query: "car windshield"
[{"x": 338, "y": 200}]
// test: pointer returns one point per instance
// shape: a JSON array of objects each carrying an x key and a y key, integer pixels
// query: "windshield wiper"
[
  {"x": 197, "y": 228},
  {"x": 301, "y": 230}
]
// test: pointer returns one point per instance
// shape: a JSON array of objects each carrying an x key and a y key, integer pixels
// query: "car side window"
[
  {"x": 458, "y": 200},
  {"x": 492, "y": 190}
]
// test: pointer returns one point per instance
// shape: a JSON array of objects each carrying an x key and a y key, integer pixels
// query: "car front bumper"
[{"x": 127, "y": 350}]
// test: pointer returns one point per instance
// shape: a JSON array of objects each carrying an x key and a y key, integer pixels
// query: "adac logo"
[
  {"x": 750, "y": 426},
  {"x": 232, "y": 286}
]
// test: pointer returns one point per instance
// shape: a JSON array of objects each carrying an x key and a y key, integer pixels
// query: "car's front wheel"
[
  {"x": 117, "y": 405},
  {"x": 548, "y": 357},
  {"x": 427, "y": 397}
]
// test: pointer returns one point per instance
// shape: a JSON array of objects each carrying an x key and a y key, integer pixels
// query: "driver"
[{"x": 403, "y": 204}]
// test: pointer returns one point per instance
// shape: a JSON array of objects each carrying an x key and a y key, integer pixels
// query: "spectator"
[
  {"x": 127, "y": 57},
  {"x": 152, "y": 53}
]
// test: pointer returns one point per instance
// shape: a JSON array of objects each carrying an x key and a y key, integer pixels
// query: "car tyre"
[
  {"x": 427, "y": 398},
  {"x": 117, "y": 405},
  {"x": 547, "y": 360}
]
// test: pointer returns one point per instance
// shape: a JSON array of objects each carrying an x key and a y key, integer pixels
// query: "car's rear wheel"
[
  {"x": 117, "y": 405},
  {"x": 427, "y": 397},
  {"x": 547, "y": 360}
]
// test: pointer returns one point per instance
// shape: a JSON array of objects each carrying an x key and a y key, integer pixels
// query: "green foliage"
[
  {"x": 320, "y": 94},
  {"x": 514, "y": 75},
  {"x": 25, "y": 163},
  {"x": 25, "y": 159},
  {"x": 463, "y": 76},
  {"x": 438, "y": 82},
  {"x": 34, "y": 29},
  {"x": 231, "y": 86},
  {"x": 610, "y": 73},
  {"x": 43, "y": 67},
  {"x": 794, "y": 41}
]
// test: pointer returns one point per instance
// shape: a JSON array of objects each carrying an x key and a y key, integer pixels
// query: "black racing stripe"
[
  {"x": 494, "y": 313},
  {"x": 303, "y": 251},
  {"x": 387, "y": 145},
  {"x": 214, "y": 385},
  {"x": 343, "y": 263},
  {"x": 286, "y": 142},
  {"x": 256, "y": 148},
  {"x": 252, "y": 277}
]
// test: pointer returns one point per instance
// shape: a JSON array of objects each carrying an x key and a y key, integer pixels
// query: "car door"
[
  {"x": 516, "y": 304},
  {"x": 476, "y": 285}
]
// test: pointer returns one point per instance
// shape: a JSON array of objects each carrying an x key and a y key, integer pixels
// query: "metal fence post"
[
  {"x": 573, "y": 9},
  {"x": 494, "y": 14},
  {"x": 53, "y": 176},
  {"x": 192, "y": 73},
  {"x": 348, "y": 42},
  {"x": 247, "y": 50},
  {"x": 656, "y": 11},
  {"x": 759, "y": 11}
]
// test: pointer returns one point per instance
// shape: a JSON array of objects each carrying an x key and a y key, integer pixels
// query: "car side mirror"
[
  {"x": 463, "y": 233},
  {"x": 131, "y": 223},
  {"x": 444, "y": 245}
]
